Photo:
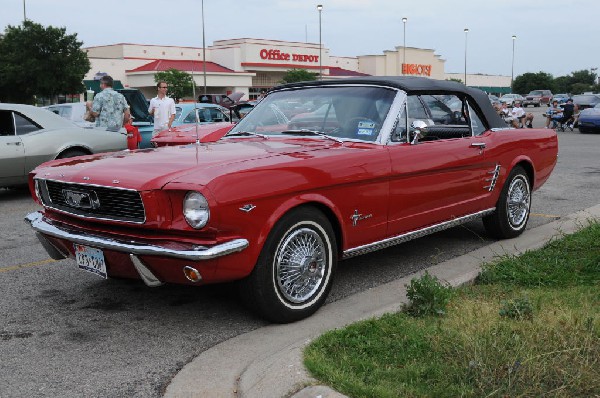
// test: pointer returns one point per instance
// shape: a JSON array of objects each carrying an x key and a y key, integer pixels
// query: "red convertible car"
[{"x": 381, "y": 160}]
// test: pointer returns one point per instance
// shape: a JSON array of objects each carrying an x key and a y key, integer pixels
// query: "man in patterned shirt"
[{"x": 109, "y": 107}]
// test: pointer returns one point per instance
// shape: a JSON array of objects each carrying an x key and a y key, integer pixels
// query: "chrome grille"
[{"x": 108, "y": 203}]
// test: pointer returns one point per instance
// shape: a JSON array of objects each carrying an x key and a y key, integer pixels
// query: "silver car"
[
  {"x": 30, "y": 136},
  {"x": 72, "y": 111}
]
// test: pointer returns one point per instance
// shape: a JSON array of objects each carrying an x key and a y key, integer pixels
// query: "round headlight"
[{"x": 195, "y": 209}]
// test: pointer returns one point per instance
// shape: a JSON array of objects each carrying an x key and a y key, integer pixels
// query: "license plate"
[{"x": 90, "y": 259}]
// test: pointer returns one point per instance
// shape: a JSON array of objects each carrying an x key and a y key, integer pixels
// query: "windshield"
[
  {"x": 536, "y": 92},
  {"x": 349, "y": 112}
]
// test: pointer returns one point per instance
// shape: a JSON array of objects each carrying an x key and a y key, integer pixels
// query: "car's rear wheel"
[
  {"x": 71, "y": 153},
  {"x": 294, "y": 271},
  {"x": 513, "y": 207}
]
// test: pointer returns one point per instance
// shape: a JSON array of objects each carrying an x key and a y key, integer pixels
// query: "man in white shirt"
[
  {"x": 162, "y": 108},
  {"x": 523, "y": 118}
]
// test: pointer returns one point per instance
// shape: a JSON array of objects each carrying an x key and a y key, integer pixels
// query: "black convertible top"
[{"x": 416, "y": 85}]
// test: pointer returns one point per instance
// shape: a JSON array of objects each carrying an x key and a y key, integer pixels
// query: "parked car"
[
  {"x": 224, "y": 100},
  {"x": 275, "y": 207},
  {"x": 243, "y": 108},
  {"x": 589, "y": 120},
  {"x": 537, "y": 98},
  {"x": 494, "y": 100},
  {"x": 190, "y": 133},
  {"x": 138, "y": 106},
  {"x": 510, "y": 99},
  {"x": 189, "y": 112},
  {"x": 584, "y": 101},
  {"x": 560, "y": 98},
  {"x": 72, "y": 111},
  {"x": 30, "y": 136}
]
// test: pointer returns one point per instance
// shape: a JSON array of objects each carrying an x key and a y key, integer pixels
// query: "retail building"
[{"x": 249, "y": 65}]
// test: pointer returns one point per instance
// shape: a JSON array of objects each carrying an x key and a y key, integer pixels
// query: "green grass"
[{"x": 530, "y": 327}]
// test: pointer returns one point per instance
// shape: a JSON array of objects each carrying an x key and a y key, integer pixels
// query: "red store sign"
[
  {"x": 416, "y": 69},
  {"x": 279, "y": 56}
]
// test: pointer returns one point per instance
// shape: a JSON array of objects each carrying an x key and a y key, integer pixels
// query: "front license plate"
[{"x": 90, "y": 259}]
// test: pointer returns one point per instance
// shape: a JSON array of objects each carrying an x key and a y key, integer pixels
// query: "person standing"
[
  {"x": 133, "y": 134},
  {"x": 109, "y": 107},
  {"x": 162, "y": 108}
]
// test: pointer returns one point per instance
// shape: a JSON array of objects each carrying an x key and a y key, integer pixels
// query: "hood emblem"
[
  {"x": 81, "y": 200},
  {"x": 247, "y": 208}
]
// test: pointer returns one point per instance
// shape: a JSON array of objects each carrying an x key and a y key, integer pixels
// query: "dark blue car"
[{"x": 589, "y": 120}]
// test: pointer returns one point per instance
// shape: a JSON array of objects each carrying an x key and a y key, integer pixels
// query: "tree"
[
  {"x": 181, "y": 84},
  {"x": 38, "y": 60},
  {"x": 298, "y": 75},
  {"x": 527, "y": 82}
]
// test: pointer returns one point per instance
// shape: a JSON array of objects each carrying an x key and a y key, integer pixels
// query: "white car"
[
  {"x": 73, "y": 112},
  {"x": 30, "y": 136},
  {"x": 510, "y": 99}
]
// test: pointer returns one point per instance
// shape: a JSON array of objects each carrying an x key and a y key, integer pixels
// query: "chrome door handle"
[
  {"x": 479, "y": 145},
  {"x": 14, "y": 143}
]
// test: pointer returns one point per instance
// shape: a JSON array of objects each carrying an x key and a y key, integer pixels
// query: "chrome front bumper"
[{"x": 198, "y": 253}]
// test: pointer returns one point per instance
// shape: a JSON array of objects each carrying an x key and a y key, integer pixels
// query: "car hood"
[
  {"x": 590, "y": 112},
  {"x": 187, "y": 133},
  {"x": 149, "y": 169}
]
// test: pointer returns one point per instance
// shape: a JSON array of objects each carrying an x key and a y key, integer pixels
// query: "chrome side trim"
[
  {"x": 147, "y": 276},
  {"x": 382, "y": 244},
  {"x": 38, "y": 223}
]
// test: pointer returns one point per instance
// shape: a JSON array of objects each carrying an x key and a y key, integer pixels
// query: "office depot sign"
[
  {"x": 416, "y": 69},
  {"x": 277, "y": 55}
]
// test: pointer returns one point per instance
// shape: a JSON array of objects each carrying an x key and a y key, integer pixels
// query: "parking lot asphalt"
[{"x": 267, "y": 362}]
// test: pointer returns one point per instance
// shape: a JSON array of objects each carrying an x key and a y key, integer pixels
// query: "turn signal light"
[{"x": 192, "y": 274}]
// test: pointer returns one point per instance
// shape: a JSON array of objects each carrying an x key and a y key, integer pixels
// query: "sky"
[{"x": 553, "y": 36}]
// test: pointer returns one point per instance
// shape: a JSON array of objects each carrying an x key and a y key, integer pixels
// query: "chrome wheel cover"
[
  {"x": 301, "y": 265},
  {"x": 519, "y": 198}
]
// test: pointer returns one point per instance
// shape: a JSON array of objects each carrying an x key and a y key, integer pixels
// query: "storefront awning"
[{"x": 95, "y": 85}]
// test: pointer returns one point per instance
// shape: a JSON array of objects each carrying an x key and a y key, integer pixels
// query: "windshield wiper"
[
  {"x": 312, "y": 132},
  {"x": 247, "y": 133}
]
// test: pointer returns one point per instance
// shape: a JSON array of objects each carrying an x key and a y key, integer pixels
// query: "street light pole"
[
  {"x": 203, "y": 50},
  {"x": 24, "y": 13},
  {"x": 404, "y": 45},
  {"x": 320, "y": 8},
  {"x": 512, "y": 70},
  {"x": 466, "y": 32}
]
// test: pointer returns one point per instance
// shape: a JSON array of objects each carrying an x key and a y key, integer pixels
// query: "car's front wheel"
[
  {"x": 513, "y": 207},
  {"x": 295, "y": 269}
]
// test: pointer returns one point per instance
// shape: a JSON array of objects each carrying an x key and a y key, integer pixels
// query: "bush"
[
  {"x": 427, "y": 296},
  {"x": 519, "y": 309}
]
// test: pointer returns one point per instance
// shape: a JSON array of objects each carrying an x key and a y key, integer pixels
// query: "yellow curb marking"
[{"x": 27, "y": 265}]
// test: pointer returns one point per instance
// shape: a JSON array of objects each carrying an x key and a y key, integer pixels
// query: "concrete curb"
[{"x": 267, "y": 362}]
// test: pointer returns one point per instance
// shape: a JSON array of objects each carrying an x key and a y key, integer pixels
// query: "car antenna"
[{"x": 195, "y": 103}]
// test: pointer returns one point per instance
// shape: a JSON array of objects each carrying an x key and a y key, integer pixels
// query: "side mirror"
[{"x": 418, "y": 130}]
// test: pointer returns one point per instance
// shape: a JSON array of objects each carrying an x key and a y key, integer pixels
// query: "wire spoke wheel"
[
  {"x": 518, "y": 202},
  {"x": 300, "y": 265},
  {"x": 513, "y": 207}
]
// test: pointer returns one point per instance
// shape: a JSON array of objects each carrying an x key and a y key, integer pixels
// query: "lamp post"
[
  {"x": 320, "y": 8},
  {"x": 466, "y": 33},
  {"x": 203, "y": 50},
  {"x": 404, "y": 45},
  {"x": 512, "y": 70},
  {"x": 24, "y": 13}
]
